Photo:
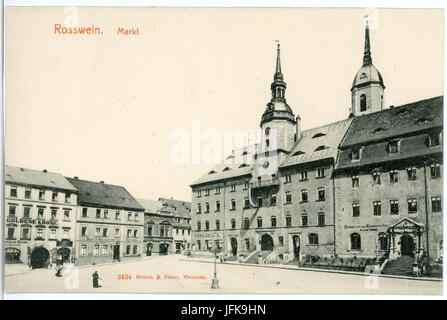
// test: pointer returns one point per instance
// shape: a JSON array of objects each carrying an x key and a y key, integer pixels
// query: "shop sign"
[
  {"x": 32, "y": 221},
  {"x": 64, "y": 243}
]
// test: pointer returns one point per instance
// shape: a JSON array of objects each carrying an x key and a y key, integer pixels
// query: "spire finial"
[
  {"x": 367, "y": 52},
  {"x": 278, "y": 73}
]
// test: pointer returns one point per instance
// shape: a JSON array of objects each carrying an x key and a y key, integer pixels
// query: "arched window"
[
  {"x": 355, "y": 241},
  {"x": 362, "y": 102},
  {"x": 383, "y": 241},
  {"x": 313, "y": 238}
]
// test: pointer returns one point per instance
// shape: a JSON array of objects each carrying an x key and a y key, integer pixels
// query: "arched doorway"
[
  {"x": 63, "y": 256},
  {"x": 40, "y": 258},
  {"x": 163, "y": 249},
  {"x": 234, "y": 246},
  {"x": 266, "y": 242},
  {"x": 149, "y": 249},
  {"x": 406, "y": 245},
  {"x": 296, "y": 246}
]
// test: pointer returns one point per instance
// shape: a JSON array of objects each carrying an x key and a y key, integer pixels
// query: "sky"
[{"x": 103, "y": 107}]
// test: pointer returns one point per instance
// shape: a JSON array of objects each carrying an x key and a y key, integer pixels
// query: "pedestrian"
[{"x": 95, "y": 276}]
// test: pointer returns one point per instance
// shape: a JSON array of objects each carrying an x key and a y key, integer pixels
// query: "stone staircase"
[
  {"x": 254, "y": 258},
  {"x": 402, "y": 266}
]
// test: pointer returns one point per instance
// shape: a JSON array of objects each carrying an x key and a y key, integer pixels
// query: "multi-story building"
[
  {"x": 365, "y": 186},
  {"x": 166, "y": 226},
  {"x": 181, "y": 226},
  {"x": 40, "y": 216},
  {"x": 158, "y": 221},
  {"x": 109, "y": 223}
]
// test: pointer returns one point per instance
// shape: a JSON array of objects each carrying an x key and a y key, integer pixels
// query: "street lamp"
[{"x": 215, "y": 281}]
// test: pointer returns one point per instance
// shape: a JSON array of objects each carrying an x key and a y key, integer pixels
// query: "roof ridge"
[{"x": 101, "y": 183}]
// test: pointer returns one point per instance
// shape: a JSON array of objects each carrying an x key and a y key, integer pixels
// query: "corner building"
[{"x": 367, "y": 186}]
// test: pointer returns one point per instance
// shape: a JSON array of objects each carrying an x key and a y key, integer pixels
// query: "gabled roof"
[
  {"x": 150, "y": 206},
  {"x": 327, "y": 138},
  {"x": 397, "y": 121},
  {"x": 181, "y": 208},
  {"x": 37, "y": 178},
  {"x": 234, "y": 164},
  {"x": 104, "y": 195}
]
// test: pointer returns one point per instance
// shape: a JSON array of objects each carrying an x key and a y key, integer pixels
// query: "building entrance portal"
[
  {"x": 116, "y": 252},
  {"x": 266, "y": 242},
  {"x": 407, "y": 245},
  {"x": 40, "y": 258},
  {"x": 296, "y": 246},
  {"x": 234, "y": 246}
]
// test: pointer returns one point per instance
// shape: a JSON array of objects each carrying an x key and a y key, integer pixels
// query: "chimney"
[
  {"x": 101, "y": 181},
  {"x": 76, "y": 178},
  {"x": 44, "y": 170},
  {"x": 298, "y": 128}
]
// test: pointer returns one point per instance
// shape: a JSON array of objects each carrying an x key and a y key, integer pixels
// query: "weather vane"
[{"x": 277, "y": 42}]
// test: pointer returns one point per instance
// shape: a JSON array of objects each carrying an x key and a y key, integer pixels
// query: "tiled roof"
[
  {"x": 397, "y": 121},
  {"x": 317, "y": 143},
  {"x": 239, "y": 163},
  {"x": 181, "y": 208},
  {"x": 151, "y": 206},
  {"x": 37, "y": 178},
  {"x": 104, "y": 195}
]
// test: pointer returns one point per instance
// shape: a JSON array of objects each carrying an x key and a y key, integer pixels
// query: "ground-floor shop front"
[
  {"x": 158, "y": 246},
  {"x": 107, "y": 251}
]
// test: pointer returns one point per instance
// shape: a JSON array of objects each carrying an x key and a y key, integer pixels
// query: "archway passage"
[
  {"x": 40, "y": 258},
  {"x": 266, "y": 242},
  {"x": 234, "y": 246},
  {"x": 296, "y": 246},
  {"x": 407, "y": 245}
]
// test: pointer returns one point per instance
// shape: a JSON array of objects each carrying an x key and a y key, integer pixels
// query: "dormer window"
[
  {"x": 226, "y": 169},
  {"x": 319, "y": 134},
  {"x": 355, "y": 154},
  {"x": 212, "y": 172},
  {"x": 244, "y": 153},
  {"x": 321, "y": 148},
  {"x": 378, "y": 130},
  {"x": 423, "y": 120},
  {"x": 434, "y": 139},
  {"x": 298, "y": 153},
  {"x": 363, "y": 103},
  {"x": 243, "y": 165},
  {"x": 393, "y": 146}
]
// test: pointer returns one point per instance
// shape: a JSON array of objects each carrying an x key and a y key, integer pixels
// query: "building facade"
[
  {"x": 40, "y": 218},
  {"x": 109, "y": 223},
  {"x": 366, "y": 186}
]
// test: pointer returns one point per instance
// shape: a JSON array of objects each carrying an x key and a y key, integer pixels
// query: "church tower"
[
  {"x": 278, "y": 121},
  {"x": 367, "y": 88}
]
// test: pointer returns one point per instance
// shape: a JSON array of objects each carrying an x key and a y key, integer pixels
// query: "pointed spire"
[
  {"x": 367, "y": 52},
  {"x": 278, "y": 73}
]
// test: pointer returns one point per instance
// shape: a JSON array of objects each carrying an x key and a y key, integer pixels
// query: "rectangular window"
[
  {"x": 355, "y": 181},
  {"x": 321, "y": 219},
  {"x": 217, "y": 206},
  {"x": 207, "y": 192},
  {"x": 304, "y": 196},
  {"x": 233, "y": 224},
  {"x": 12, "y": 211},
  {"x": 281, "y": 241},
  {"x": 83, "y": 231},
  {"x": 246, "y": 223},
  {"x": 39, "y": 234},
  {"x": 436, "y": 204},
  {"x": 246, "y": 185},
  {"x": 135, "y": 233},
  {"x": 28, "y": 194},
  {"x": 246, "y": 203},
  {"x": 199, "y": 226},
  {"x": 435, "y": 170},
  {"x": 207, "y": 225},
  {"x": 320, "y": 172},
  {"x": 135, "y": 216},
  {"x": 53, "y": 214},
  {"x": 303, "y": 175},
  {"x": 376, "y": 177},
  {"x": 288, "y": 197},
  {"x": 98, "y": 213},
  {"x": 273, "y": 200},
  {"x": 287, "y": 178},
  {"x": 412, "y": 205},
  {"x": 129, "y": 233},
  {"x": 26, "y": 233},
  {"x": 199, "y": 208},
  {"x": 67, "y": 197},
  {"x": 288, "y": 221},
  {"x": 259, "y": 220},
  {"x": 41, "y": 194},
  {"x": 117, "y": 215},
  {"x": 65, "y": 234},
  {"x": 356, "y": 209},
  {"x": 40, "y": 212},
  {"x": 128, "y": 248},
  {"x": 117, "y": 231},
  {"x": 67, "y": 215},
  {"x": 54, "y": 196},
  {"x": 199, "y": 193},
  {"x": 233, "y": 187},
  {"x": 97, "y": 232},
  {"x": 259, "y": 201},
  {"x": 105, "y": 250},
  {"x": 104, "y": 232},
  {"x": 52, "y": 234},
  {"x": 135, "y": 249},
  {"x": 207, "y": 207},
  {"x": 355, "y": 154},
  {"x": 377, "y": 206},
  {"x": 273, "y": 220},
  {"x": 321, "y": 194},
  {"x": 233, "y": 204},
  {"x": 434, "y": 139},
  {"x": 26, "y": 212},
  {"x": 394, "y": 207},
  {"x": 106, "y": 214},
  {"x": 129, "y": 216},
  {"x": 394, "y": 176},
  {"x": 217, "y": 225},
  {"x": 411, "y": 172},
  {"x": 96, "y": 250},
  {"x": 10, "y": 233},
  {"x": 84, "y": 250},
  {"x": 217, "y": 190},
  {"x": 13, "y": 192},
  {"x": 304, "y": 220},
  {"x": 84, "y": 212}
]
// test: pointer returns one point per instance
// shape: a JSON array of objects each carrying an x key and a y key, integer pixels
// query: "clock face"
[{"x": 265, "y": 164}]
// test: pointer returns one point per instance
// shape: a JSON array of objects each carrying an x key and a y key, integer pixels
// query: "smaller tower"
[
  {"x": 367, "y": 88},
  {"x": 278, "y": 117}
]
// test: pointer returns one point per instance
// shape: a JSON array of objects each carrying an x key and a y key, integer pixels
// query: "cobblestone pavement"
[{"x": 179, "y": 276}]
